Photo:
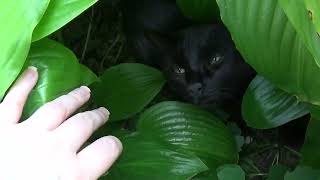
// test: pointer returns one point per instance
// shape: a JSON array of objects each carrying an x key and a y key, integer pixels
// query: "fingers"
[
  {"x": 98, "y": 157},
  {"x": 52, "y": 114},
  {"x": 12, "y": 105},
  {"x": 76, "y": 130}
]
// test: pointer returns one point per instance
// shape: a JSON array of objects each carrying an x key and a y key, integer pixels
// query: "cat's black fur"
[{"x": 200, "y": 62}]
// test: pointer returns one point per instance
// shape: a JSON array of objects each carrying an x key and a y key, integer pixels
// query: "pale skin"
[{"x": 47, "y": 145}]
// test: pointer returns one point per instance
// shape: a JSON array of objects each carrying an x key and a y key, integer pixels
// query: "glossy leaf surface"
[
  {"x": 305, "y": 173},
  {"x": 143, "y": 158},
  {"x": 126, "y": 89},
  {"x": 187, "y": 127},
  {"x": 59, "y": 72},
  {"x": 18, "y": 20},
  {"x": 302, "y": 19},
  {"x": 271, "y": 45},
  {"x": 266, "y": 106},
  {"x": 59, "y": 13}
]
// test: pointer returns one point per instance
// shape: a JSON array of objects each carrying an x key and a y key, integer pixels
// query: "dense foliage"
[{"x": 168, "y": 139}]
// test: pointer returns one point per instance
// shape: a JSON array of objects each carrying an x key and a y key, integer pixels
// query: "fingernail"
[
  {"x": 114, "y": 144},
  {"x": 31, "y": 72},
  {"x": 105, "y": 112},
  {"x": 84, "y": 91}
]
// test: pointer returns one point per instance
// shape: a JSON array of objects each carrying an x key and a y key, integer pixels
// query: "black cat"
[{"x": 200, "y": 62}]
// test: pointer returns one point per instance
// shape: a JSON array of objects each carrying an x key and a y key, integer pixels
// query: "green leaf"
[
  {"x": 192, "y": 129},
  {"x": 200, "y": 10},
  {"x": 305, "y": 173},
  {"x": 231, "y": 172},
  {"x": 310, "y": 150},
  {"x": 266, "y": 106},
  {"x": 59, "y": 13},
  {"x": 59, "y": 72},
  {"x": 277, "y": 172},
  {"x": 270, "y": 44},
  {"x": 302, "y": 19},
  {"x": 211, "y": 174},
  {"x": 127, "y": 88},
  {"x": 18, "y": 20},
  {"x": 143, "y": 158},
  {"x": 313, "y": 8}
]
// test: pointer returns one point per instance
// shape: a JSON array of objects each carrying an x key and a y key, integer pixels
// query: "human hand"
[{"x": 46, "y": 146}]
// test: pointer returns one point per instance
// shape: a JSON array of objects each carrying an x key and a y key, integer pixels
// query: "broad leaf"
[
  {"x": 266, "y": 106},
  {"x": 59, "y": 13},
  {"x": 230, "y": 172},
  {"x": 304, "y": 173},
  {"x": 18, "y": 20},
  {"x": 192, "y": 129},
  {"x": 127, "y": 88},
  {"x": 270, "y": 44},
  {"x": 302, "y": 19},
  {"x": 310, "y": 150},
  {"x": 200, "y": 10},
  {"x": 59, "y": 72},
  {"x": 277, "y": 172},
  {"x": 143, "y": 158},
  {"x": 313, "y": 8}
]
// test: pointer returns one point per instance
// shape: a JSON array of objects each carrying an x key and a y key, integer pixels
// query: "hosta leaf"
[
  {"x": 18, "y": 20},
  {"x": 270, "y": 44},
  {"x": 230, "y": 172},
  {"x": 277, "y": 172},
  {"x": 310, "y": 150},
  {"x": 143, "y": 158},
  {"x": 200, "y": 10},
  {"x": 127, "y": 88},
  {"x": 59, "y": 72},
  {"x": 313, "y": 8},
  {"x": 301, "y": 18},
  {"x": 305, "y": 173},
  {"x": 192, "y": 129},
  {"x": 59, "y": 13},
  {"x": 266, "y": 106}
]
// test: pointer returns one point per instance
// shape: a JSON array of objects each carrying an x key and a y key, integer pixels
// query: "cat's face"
[{"x": 203, "y": 66}]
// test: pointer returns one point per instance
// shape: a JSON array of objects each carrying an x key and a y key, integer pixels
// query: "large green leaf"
[
  {"x": 305, "y": 173},
  {"x": 18, "y": 20},
  {"x": 313, "y": 8},
  {"x": 310, "y": 150},
  {"x": 270, "y": 44},
  {"x": 302, "y": 19},
  {"x": 59, "y": 13},
  {"x": 200, "y": 10},
  {"x": 231, "y": 172},
  {"x": 266, "y": 106},
  {"x": 127, "y": 88},
  {"x": 192, "y": 129},
  {"x": 144, "y": 159},
  {"x": 59, "y": 72},
  {"x": 277, "y": 172}
]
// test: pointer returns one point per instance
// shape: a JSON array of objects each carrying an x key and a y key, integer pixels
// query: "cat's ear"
[{"x": 160, "y": 41}]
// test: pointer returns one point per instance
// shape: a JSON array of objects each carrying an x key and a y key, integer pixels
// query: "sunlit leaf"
[
  {"x": 59, "y": 13},
  {"x": 59, "y": 72},
  {"x": 271, "y": 45},
  {"x": 302, "y": 19},
  {"x": 266, "y": 106},
  {"x": 127, "y": 88},
  {"x": 143, "y": 158},
  {"x": 18, "y": 20},
  {"x": 192, "y": 129}
]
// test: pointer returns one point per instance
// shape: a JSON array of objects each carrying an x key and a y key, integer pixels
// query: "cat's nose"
[{"x": 195, "y": 89}]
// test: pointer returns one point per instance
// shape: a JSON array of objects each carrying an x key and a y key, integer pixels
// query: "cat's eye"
[
  {"x": 217, "y": 59},
  {"x": 179, "y": 70}
]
